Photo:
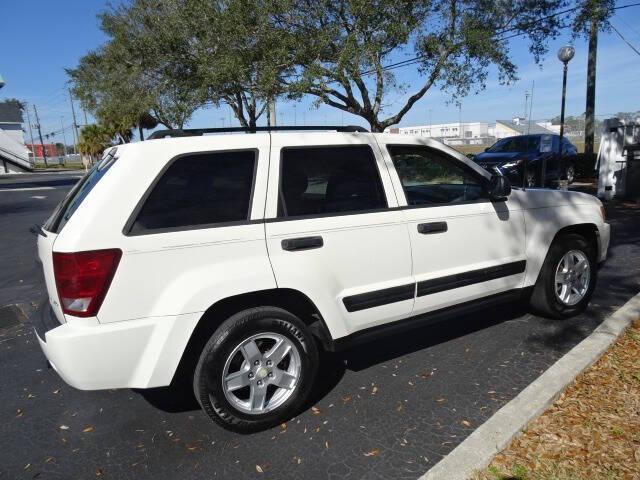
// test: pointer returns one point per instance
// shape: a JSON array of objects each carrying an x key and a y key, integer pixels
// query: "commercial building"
[{"x": 456, "y": 133}]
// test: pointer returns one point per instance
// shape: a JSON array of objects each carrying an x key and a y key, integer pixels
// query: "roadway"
[{"x": 388, "y": 409}]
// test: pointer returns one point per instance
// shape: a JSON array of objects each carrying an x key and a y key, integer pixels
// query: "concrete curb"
[{"x": 477, "y": 450}]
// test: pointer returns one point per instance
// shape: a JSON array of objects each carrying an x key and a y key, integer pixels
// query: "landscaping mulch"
[{"x": 591, "y": 432}]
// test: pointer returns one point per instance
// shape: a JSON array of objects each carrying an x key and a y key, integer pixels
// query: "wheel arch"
[
  {"x": 587, "y": 230},
  {"x": 288, "y": 299}
]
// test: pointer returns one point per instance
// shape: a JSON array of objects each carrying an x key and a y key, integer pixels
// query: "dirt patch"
[{"x": 591, "y": 432}]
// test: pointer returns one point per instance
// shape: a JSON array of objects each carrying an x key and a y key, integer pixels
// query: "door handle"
[
  {"x": 302, "y": 243},
  {"x": 433, "y": 227}
]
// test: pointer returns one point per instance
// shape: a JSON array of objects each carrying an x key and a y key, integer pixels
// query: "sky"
[{"x": 41, "y": 38}]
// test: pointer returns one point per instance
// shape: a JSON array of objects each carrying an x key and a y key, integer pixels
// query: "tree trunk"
[{"x": 141, "y": 133}]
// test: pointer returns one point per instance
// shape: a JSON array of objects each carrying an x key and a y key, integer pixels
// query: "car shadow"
[
  {"x": 384, "y": 349},
  {"x": 179, "y": 397}
]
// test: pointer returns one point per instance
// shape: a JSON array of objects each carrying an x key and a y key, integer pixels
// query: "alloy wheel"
[
  {"x": 261, "y": 373},
  {"x": 572, "y": 278}
]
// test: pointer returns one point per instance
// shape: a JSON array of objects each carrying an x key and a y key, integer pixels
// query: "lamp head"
[{"x": 566, "y": 53}]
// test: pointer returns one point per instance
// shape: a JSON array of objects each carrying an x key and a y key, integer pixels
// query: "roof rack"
[{"x": 196, "y": 132}]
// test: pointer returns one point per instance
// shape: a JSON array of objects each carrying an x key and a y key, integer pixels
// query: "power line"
[
  {"x": 417, "y": 59},
  {"x": 637, "y": 32},
  {"x": 625, "y": 40}
]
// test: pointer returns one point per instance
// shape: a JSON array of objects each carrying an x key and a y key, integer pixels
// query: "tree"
[
  {"x": 592, "y": 16},
  {"x": 13, "y": 105},
  {"x": 94, "y": 139},
  {"x": 120, "y": 89},
  {"x": 343, "y": 46},
  {"x": 217, "y": 51}
]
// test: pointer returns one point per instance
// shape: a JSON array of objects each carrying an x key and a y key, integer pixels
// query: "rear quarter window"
[{"x": 198, "y": 190}]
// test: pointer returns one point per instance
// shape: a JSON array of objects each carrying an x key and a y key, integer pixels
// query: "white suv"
[{"x": 230, "y": 259}]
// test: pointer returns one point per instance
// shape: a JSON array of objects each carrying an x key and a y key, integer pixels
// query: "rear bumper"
[{"x": 141, "y": 353}]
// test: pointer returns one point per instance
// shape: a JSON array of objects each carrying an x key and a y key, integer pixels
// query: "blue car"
[{"x": 512, "y": 154}]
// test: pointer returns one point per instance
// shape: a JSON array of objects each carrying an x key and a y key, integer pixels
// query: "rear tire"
[
  {"x": 256, "y": 370},
  {"x": 567, "y": 278}
]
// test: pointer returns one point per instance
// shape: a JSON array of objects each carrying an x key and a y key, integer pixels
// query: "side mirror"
[
  {"x": 486, "y": 149},
  {"x": 499, "y": 188}
]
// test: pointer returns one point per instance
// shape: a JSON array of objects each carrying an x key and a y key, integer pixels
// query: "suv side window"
[
  {"x": 199, "y": 190},
  {"x": 326, "y": 180},
  {"x": 430, "y": 177}
]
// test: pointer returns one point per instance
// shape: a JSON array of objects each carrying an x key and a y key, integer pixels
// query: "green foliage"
[
  {"x": 598, "y": 11},
  {"x": 343, "y": 46},
  {"x": 168, "y": 58},
  {"x": 94, "y": 139},
  {"x": 125, "y": 83},
  {"x": 14, "y": 104},
  {"x": 185, "y": 54}
]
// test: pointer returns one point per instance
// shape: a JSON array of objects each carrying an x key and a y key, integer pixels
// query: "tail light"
[{"x": 83, "y": 278}]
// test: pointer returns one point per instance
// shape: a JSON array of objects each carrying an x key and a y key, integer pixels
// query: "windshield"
[
  {"x": 79, "y": 192},
  {"x": 524, "y": 143}
]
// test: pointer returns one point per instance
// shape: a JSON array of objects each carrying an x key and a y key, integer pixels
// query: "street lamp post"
[{"x": 565, "y": 54}]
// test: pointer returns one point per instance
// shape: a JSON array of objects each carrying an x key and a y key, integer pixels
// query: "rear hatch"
[{"x": 61, "y": 215}]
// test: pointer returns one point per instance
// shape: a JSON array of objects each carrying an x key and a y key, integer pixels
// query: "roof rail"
[{"x": 196, "y": 132}]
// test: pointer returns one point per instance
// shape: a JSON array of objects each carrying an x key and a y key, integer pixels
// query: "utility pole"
[
  {"x": 589, "y": 127},
  {"x": 526, "y": 102},
  {"x": 533, "y": 84},
  {"x": 44, "y": 150},
  {"x": 75, "y": 125},
  {"x": 64, "y": 137},
  {"x": 31, "y": 135}
]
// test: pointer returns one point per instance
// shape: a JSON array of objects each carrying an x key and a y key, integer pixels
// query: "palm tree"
[{"x": 94, "y": 139}]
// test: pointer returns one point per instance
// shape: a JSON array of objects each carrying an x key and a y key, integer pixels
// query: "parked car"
[
  {"x": 513, "y": 154},
  {"x": 230, "y": 260}
]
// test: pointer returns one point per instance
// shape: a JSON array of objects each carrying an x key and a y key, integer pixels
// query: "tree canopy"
[
  {"x": 351, "y": 48},
  {"x": 168, "y": 58}
]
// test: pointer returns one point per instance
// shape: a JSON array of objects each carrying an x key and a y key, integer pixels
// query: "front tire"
[
  {"x": 567, "y": 278},
  {"x": 256, "y": 370},
  {"x": 570, "y": 174},
  {"x": 531, "y": 179}
]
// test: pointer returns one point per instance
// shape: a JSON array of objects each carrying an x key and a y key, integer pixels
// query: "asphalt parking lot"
[{"x": 386, "y": 410}]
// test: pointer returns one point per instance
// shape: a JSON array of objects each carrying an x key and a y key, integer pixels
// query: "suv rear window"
[
  {"x": 326, "y": 180},
  {"x": 65, "y": 210},
  {"x": 198, "y": 191}
]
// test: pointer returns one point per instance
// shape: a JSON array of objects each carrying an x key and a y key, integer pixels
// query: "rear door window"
[
  {"x": 199, "y": 190},
  {"x": 329, "y": 180}
]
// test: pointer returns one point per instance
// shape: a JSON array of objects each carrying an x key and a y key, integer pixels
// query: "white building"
[
  {"x": 452, "y": 133},
  {"x": 517, "y": 126},
  {"x": 14, "y": 155}
]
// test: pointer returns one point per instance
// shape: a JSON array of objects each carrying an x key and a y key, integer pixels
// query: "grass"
[
  {"x": 57, "y": 166},
  {"x": 591, "y": 432}
]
